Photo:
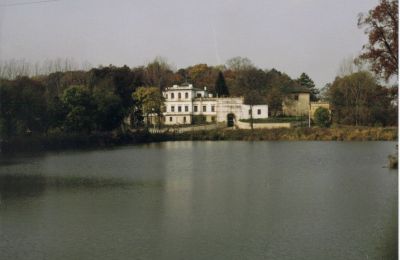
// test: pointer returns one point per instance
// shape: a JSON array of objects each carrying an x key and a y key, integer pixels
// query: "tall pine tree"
[
  {"x": 220, "y": 86},
  {"x": 307, "y": 82}
]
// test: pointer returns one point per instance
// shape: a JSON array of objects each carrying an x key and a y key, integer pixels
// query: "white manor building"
[{"x": 185, "y": 104}]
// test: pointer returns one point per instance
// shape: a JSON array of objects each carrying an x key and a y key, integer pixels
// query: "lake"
[{"x": 202, "y": 200}]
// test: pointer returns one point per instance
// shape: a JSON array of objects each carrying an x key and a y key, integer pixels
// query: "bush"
[
  {"x": 198, "y": 119},
  {"x": 322, "y": 117}
]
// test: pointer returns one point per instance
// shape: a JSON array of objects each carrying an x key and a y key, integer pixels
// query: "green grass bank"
[{"x": 101, "y": 140}]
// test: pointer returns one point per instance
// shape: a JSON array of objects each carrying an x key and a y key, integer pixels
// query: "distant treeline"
[{"x": 98, "y": 100}]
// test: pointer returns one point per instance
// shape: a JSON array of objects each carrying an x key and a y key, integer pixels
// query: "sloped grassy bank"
[
  {"x": 99, "y": 140},
  {"x": 298, "y": 134}
]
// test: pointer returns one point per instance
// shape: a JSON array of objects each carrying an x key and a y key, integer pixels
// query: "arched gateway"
[{"x": 230, "y": 120}]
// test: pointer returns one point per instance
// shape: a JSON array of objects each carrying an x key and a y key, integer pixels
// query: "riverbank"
[
  {"x": 100, "y": 140},
  {"x": 299, "y": 134}
]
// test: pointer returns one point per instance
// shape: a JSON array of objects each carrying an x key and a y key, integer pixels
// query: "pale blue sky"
[{"x": 294, "y": 36}]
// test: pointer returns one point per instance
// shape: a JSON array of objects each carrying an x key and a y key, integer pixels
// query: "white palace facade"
[{"x": 185, "y": 104}]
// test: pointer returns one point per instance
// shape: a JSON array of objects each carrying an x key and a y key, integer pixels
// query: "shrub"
[{"x": 322, "y": 117}]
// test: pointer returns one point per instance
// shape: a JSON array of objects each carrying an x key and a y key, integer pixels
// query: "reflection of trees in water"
[
  {"x": 31, "y": 185},
  {"x": 21, "y": 185}
]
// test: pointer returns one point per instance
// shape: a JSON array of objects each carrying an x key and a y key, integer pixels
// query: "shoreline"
[{"x": 109, "y": 139}]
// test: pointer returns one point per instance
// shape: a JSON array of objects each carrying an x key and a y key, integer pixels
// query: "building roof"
[{"x": 183, "y": 86}]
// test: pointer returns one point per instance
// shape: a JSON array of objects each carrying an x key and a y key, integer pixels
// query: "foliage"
[
  {"x": 81, "y": 109},
  {"x": 22, "y": 108},
  {"x": 357, "y": 99},
  {"x": 239, "y": 63},
  {"x": 274, "y": 100},
  {"x": 109, "y": 110},
  {"x": 221, "y": 88},
  {"x": 149, "y": 100},
  {"x": 305, "y": 81},
  {"x": 322, "y": 117},
  {"x": 57, "y": 112},
  {"x": 158, "y": 73},
  {"x": 198, "y": 119},
  {"x": 81, "y": 102},
  {"x": 121, "y": 81},
  {"x": 382, "y": 28},
  {"x": 201, "y": 75}
]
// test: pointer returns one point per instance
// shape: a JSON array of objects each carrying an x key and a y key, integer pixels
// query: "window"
[
  {"x": 179, "y": 109},
  {"x": 258, "y": 111},
  {"x": 170, "y": 118},
  {"x": 172, "y": 109},
  {"x": 186, "y": 95},
  {"x": 249, "y": 111},
  {"x": 212, "y": 108},
  {"x": 179, "y": 95},
  {"x": 195, "y": 108},
  {"x": 198, "y": 94},
  {"x": 166, "y": 96},
  {"x": 296, "y": 97},
  {"x": 204, "y": 108},
  {"x": 186, "y": 108},
  {"x": 172, "y": 95},
  {"x": 184, "y": 119}
]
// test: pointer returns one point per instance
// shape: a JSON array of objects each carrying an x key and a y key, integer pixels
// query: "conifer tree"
[
  {"x": 307, "y": 82},
  {"x": 220, "y": 86}
]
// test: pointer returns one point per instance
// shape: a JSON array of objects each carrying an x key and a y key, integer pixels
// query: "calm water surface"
[{"x": 202, "y": 200}]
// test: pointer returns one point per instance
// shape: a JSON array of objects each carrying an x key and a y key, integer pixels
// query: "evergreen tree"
[
  {"x": 220, "y": 86},
  {"x": 307, "y": 82}
]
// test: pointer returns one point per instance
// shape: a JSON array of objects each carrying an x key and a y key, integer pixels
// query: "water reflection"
[
  {"x": 21, "y": 185},
  {"x": 32, "y": 185},
  {"x": 202, "y": 200}
]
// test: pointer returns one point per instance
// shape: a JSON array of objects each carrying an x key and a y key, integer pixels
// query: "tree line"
[
  {"x": 101, "y": 98},
  {"x": 62, "y": 98}
]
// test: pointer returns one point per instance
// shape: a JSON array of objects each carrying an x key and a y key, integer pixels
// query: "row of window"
[
  {"x": 258, "y": 111},
  {"x": 195, "y": 109},
  {"x": 172, "y": 95},
  {"x": 170, "y": 119},
  {"x": 213, "y": 119}
]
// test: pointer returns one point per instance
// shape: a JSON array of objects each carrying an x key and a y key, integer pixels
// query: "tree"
[
  {"x": 305, "y": 81},
  {"x": 357, "y": 99},
  {"x": 274, "y": 100},
  {"x": 323, "y": 94},
  {"x": 322, "y": 117},
  {"x": 252, "y": 98},
  {"x": 149, "y": 100},
  {"x": 109, "y": 110},
  {"x": 382, "y": 28},
  {"x": 239, "y": 63},
  {"x": 122, "y": 81},
  {"x": 158, "y": 73},
  {"x": 81, "y": 109},
  {"x": 22, "y": 107},
  {"x": 57, "y": 112},
  {"x": 202, "y": 75},
  {"x": 220, "y": 86},
  {"x": 252, "y": 82}
]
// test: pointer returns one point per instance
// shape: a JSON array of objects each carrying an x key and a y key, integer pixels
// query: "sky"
[{"x": 293, "y": 36}]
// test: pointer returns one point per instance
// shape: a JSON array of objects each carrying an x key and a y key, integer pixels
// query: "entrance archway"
[{"x": 230, "y": 119}]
